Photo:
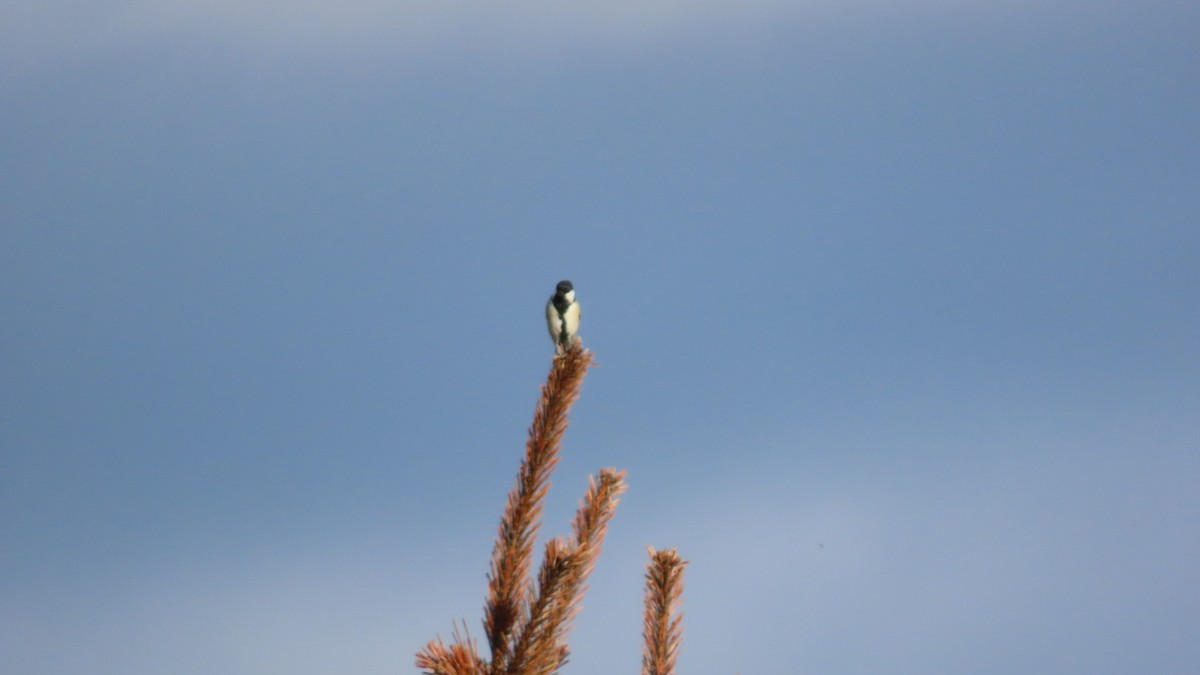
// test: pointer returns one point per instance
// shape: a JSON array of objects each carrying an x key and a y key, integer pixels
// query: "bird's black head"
[{"x": 564, "y": 287}]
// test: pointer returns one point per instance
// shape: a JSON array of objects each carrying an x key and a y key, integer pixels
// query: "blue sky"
[{"x": 896, "y": 307}]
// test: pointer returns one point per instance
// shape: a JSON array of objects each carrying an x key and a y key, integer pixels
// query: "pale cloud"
[
  {"x": 35, "y": 34},
  {"x": 346, "y": 606}
]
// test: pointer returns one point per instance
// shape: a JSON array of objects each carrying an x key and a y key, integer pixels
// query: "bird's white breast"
[{"x": 571, "y": 316}]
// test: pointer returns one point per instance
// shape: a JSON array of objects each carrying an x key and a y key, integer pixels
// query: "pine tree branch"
[
  {"x": 664, "y": 592},
  {"x": 508, "y": 578},
  {"x": 542, "y": 642},
  {"x": 458, "y": 658}
]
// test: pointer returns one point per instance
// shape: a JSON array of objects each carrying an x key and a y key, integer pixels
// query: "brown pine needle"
[
  {"x": 458, "y": 658},
  {"x": 664, "y": 592},
  {"x": 508, "y": 578}
]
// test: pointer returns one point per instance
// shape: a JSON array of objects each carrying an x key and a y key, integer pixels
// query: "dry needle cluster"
[{"x": 527, "y": 623}]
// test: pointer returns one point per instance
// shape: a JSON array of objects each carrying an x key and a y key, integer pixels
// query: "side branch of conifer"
[
  {"x": 663, "y": 624},
  {"x": 458, "y": 658},
  {"x": 541, "y": 647}
]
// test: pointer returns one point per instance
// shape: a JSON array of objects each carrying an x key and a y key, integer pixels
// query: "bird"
[{"x": 562, "y": 315}]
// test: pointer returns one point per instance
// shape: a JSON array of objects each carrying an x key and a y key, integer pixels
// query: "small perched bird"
[{"x": 562, "y": 315}]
